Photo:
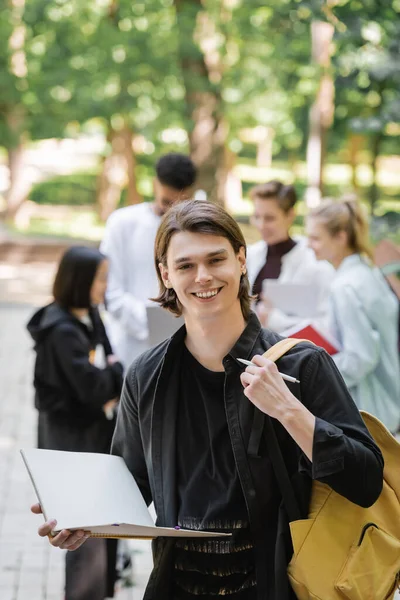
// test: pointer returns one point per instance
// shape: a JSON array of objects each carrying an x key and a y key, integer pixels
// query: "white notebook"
[
  {"x": 94, "y": 492},
  {"x": 297, "y": 299}
]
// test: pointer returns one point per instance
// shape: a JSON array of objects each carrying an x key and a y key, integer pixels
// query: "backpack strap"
[
  {"x": 275, "y": 454},
  {"x": 280, "y": 348}
]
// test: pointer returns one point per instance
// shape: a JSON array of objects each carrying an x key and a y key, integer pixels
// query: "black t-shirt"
[{"x": 210, "y": 495}]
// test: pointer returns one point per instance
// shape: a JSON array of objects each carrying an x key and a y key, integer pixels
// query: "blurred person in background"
[
  {"x": 280, "y": 256},
  {"x": 77, "y": 382},
  {"x": 364, "y": 310},
  {"x": 128, "y": 243}
]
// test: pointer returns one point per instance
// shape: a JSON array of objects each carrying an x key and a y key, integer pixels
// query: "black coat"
[
  {"x": 69, "y": 390},
  {"x": 344, "y": 454}
]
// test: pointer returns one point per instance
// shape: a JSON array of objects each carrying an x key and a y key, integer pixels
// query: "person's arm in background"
[
  {"x": 129, "y": 311},
  {"x": 360, "y": 341}
]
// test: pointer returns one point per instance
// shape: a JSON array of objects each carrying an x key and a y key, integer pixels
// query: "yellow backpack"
[{"x": 343, "y": 551}]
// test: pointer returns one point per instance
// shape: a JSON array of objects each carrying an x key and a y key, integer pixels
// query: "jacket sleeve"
[
  {"x": 124, "y": 307},
  {"x": 127, "y": 441},
  {"x": 360, "y": 341},
  {"x": 345, "y": 456},
  {"x": 91, "y": 385}
]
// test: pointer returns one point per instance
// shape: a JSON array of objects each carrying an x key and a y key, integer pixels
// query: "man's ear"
[
  {"x": 164, "y": 275},
  {"x": 242, "y": 259}
]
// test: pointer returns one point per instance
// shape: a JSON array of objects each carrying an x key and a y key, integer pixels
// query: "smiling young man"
[{"x": 192, "y": 423}]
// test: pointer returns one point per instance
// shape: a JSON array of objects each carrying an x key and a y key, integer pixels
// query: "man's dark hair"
[
  {"x": 197, "y": 216},
  {"x": 176, "y": 171},
  {"x": 75, "y": 275}
]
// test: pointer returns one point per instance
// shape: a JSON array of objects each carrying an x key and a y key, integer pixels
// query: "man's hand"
[
  {"x": 67, "y": 540},
  {"x": 265, "y": 388}
]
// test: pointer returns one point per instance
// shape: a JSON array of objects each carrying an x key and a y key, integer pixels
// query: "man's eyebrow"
[{"x": 184, "y": 259}]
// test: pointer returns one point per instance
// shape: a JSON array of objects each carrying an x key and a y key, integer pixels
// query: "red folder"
[{"x": 308, "y": 331}]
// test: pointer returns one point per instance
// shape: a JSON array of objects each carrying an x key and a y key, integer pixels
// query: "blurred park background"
[{"x": 91, "y": 93}]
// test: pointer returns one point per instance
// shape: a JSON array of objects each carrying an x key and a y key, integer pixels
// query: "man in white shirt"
[{"x": 128, "y": 243}]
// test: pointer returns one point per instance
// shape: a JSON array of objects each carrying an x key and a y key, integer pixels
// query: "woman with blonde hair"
[{"x": 364, "y": 311}]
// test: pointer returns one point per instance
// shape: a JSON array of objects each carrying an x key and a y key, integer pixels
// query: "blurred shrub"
[{"x": 77, "y": 189}]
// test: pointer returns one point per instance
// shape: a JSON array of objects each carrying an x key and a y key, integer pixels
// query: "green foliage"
[
  {"x": 106, "y": 64},
  {"x": 367, "y": 65},
  {"x": 78, "y": 189}
]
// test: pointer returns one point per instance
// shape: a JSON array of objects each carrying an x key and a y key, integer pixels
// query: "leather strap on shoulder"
[{"x": 280, "y": 348}]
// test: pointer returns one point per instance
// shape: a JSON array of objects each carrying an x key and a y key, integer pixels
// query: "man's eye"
[
  {"x": 184, "y": 267},
  {"x": 215, "y": 260}
]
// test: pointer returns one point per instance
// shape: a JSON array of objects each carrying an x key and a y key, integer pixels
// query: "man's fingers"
[
  {"x": 265, "y": 363},
  {"x": 73, "y": 540},
  {"x": 65, "y": 539},
  {"x": 260, "y": 361},
  {"x": 76, "y": 544},
  {"x": 36, "y": 509},
  {"x": 253, "y": 369},
  {"x": 245, "y": 378},
  {"x": 68, "y": 540},
  {"x": 47, "y": 528}
]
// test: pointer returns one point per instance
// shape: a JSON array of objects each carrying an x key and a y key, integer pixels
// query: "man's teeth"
[{"x": 206, "y": 294}]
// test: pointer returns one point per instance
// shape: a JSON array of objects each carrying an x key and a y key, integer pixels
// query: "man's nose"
[{"x": 203, "y": 275}]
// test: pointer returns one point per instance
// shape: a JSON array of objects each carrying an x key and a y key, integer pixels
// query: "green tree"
[{"x": 367, "y": 63}]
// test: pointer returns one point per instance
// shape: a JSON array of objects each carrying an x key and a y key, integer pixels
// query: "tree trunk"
[
  {"x": 20, "y": 185},
  {"x": 321, "y": 113},
  {"x": 117, "y": 172},
  {"x": 208, "y": 132},
  {"x": 109, "y": 183},
  {"x": 375, "y": 150},
  {"x": 354, "y": 147},
  {"x": 133, "y": 196}
]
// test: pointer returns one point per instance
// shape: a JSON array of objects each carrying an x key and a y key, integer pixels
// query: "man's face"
[
  {"x": 165, "y": 197},
  {"x": 205, "y": 273}
]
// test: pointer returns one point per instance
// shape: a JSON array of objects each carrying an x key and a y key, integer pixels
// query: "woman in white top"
[
  {"x": 364, "y": 311},
  {"x": 279, "y": 256}
]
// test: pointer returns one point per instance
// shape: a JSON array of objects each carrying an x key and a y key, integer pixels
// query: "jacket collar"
[
  {"x": 349, "y": 262},
  {"x": 244, "y": 347}
]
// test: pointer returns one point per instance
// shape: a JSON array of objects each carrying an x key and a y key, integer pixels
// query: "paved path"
[{"x": 30, "y": 569}]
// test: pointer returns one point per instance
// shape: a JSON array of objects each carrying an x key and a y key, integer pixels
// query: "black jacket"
[
  {"x": 344, "y": 454},
  {"x": 67, "y": 386}
]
